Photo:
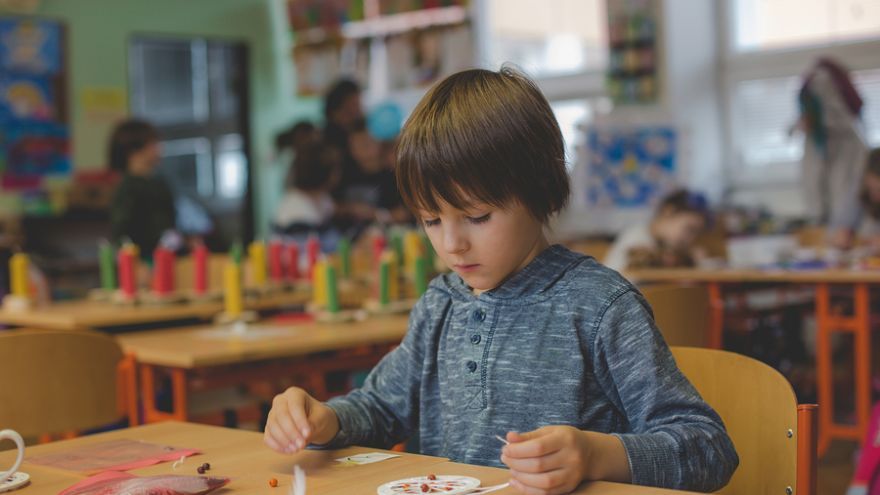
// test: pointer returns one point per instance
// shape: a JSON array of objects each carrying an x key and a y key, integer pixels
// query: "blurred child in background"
[{"x": 667, "y": 240}]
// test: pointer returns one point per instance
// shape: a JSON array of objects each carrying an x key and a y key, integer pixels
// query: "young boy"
[
  {"x": 531, "y": 341},
  {"x": 143, "y": 206}
]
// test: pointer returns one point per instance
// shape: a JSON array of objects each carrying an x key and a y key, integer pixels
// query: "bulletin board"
[
  {"x": 34, "y": 134},
  {"x": 631, "y": 167}
]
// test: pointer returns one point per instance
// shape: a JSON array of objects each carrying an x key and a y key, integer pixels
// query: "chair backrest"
[
  {"x": 597, "y": 248},
  {"x": 57, "y": 381},
  {"x": 680, "y": 311},
  {"x": 759, "y": 409}
]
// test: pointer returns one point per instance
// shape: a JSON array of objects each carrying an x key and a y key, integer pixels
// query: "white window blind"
[
  {"x": 765, "y": 109},
  {"x": 771, "y": 24},
  {"x": 548, "y": 38}
]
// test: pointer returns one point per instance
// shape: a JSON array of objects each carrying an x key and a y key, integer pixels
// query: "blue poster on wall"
[
  {"x": 26, "y": 99},
  {"x": 32, "y": 151},
  {"x": 30, "y": 46},
  {"x": 630, "y": 166}
]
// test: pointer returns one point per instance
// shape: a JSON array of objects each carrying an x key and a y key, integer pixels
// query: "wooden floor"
[{"x": 836, "y": 468}]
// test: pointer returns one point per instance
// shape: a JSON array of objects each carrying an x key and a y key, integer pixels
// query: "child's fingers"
[
  {"x": 284, "y": 422},
  {"x": 279, "y": 440},
  {"x": 291, "y": 412},
  {"x": 541, "y": 464},
  {"x": 515, "y": 436},
  {"x": 544, "y": 483},
  {"x": 270, "y": 440},
  {"x": 296, "y": 406},
  {"x": 528, "y": 490},
  {"x": 536, "y": 447}
]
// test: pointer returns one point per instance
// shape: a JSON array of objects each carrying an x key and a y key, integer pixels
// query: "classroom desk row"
[
  {"x": 87, "y": 314},
  {"x": 211, "y": 356},
  {"x": 242, "y": 456},
  {"x": 829, "y": 286}
]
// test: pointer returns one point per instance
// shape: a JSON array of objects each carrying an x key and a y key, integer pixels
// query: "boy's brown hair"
[{"x": 486, "y": 136}]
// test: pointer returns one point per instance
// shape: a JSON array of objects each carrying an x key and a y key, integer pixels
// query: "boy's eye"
[
  {"x": 482, "y": 219},
  {"x": 430, "y": 222}
]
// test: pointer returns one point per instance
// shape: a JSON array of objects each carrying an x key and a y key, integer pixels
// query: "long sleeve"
[
  {"x": 674, "y": 439},
  {"x": 122, "y": 212},
  {"x": 385, "y": 410}
]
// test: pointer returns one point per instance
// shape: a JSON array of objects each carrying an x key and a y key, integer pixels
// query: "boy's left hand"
[{"x": 547, "y": 461}]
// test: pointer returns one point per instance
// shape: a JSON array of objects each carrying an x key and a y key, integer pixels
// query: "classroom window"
[
  {"x": 195, "y": 92},
  {"x": 766, "y": 109},
  {"x": 772, "y": 24},
  {"x": 554, "y": 38},
  {"x": 573, "y": 116}
]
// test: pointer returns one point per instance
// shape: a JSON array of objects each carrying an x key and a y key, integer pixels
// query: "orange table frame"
[
  {"x": 827, "y": 324},
  {"x": 313, "y": 368}
]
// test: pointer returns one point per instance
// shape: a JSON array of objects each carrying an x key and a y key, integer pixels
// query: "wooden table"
[
  {"x": 73, "y": 315},
  {"x": 242, "y": 456},
  {"x": 828, "y": 322},
  {"x": 269, "y": 351}
]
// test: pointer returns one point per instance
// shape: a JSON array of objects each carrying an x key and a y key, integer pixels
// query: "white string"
[{"x": 298, "y": 487}]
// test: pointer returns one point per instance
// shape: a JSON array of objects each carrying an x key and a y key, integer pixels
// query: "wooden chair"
[
  {"x": 775, "y": 438},
  {"x": 681, "y": 312},
  {"x": 597, "y": 248},
  {"x": 63, "y": 382}
]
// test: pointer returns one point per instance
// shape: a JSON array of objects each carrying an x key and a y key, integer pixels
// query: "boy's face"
[
  {"x": 145, "y": 160},
  {"x": 680, "y": 230},
  {"x": 484, "y": 245}
]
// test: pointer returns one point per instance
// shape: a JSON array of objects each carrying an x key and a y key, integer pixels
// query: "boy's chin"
[{"x": 477, "y": 282}]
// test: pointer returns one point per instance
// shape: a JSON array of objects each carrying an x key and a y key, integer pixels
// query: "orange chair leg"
[
  {"x": 179, "y": 388},
  {"x": 824, "y": 378},
  {"x": 807, "y": 443},
  {"x": 127, "y": 389},
  {"x": 862, "y": 344},
  {"x": 716, "y": 322}
]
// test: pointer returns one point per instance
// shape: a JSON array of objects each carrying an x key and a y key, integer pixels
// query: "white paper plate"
[
  {"x": 17, "y": 480},
  {"x": 445, "y": 484}
]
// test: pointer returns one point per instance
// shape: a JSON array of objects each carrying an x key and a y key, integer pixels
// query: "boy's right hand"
[{"x": 298, "y": 419}]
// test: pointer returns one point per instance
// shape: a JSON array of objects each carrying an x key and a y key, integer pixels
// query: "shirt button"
[
  {"x": 471, "y": 366},
  {"x": 479, "y": 315},
  {"x": 475, "y": 339}
]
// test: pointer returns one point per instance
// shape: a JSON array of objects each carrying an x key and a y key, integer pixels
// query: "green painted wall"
[{"x": 98, "y": 34}]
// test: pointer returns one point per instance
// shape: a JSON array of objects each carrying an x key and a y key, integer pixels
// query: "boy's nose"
[{"x": 454, "y": 242}]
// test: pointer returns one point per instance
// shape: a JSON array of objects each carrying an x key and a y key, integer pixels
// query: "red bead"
[
  {"x": 432, "y": 477},
  {"x": 273, "y": 482},
  {"x": 201, "y": 469},
  {"x": 425, "y": 488}
]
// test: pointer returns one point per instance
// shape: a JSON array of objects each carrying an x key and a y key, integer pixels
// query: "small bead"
[
  {"x": 425, "y": 488},
  {"x": 432, "y": 477},
  {"x": 273, "y": 482},
  {"x": 201, "y": 469}
]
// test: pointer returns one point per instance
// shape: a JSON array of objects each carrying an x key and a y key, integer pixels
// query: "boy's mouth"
[{"x": 466, "y": 268}]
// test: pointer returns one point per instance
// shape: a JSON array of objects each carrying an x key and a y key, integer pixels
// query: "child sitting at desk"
[
  {"x": 143, "y": 207},
  {"x": 667, "y": 240},
  {"x": 523, "y": 339},
  {"x": 307, "y": 205}
]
